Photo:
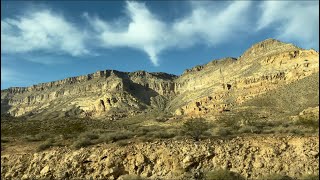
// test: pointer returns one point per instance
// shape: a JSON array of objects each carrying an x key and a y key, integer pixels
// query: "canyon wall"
[{"x": 221, "y": 85}]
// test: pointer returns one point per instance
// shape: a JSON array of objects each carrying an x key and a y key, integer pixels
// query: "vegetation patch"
[
  {"x": 222, "y": 174},
  {"x": 195, "y": 128}
]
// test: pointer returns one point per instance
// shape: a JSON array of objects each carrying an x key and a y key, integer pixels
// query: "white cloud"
[
  {"x": 208, "y": 23},
  {"x": 148, "y": 33},
  {"x": 213, "y": 26},
  {"x": 295, "y": 20},
  {"x": 41, "y": 30},
  {"x": 144, "y": 32}
]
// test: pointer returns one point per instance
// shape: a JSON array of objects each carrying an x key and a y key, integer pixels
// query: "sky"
[{"x": 43, "y": 41}]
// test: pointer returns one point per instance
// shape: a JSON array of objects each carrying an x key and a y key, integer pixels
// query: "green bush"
[
  {"x": 222, "y": 174},
  {"x": 195, "y": 128}
]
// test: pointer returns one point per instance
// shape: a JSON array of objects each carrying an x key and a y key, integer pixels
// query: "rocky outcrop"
[{"x": 251, "y": 157}]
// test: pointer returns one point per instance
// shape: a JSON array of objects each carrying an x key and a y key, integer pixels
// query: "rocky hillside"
[
  {"x": 251, "y": 157},
  {"x": 221, "y": 86}
]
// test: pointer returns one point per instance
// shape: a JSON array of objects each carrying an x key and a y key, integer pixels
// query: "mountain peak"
[{"x": 267, "y": 47}]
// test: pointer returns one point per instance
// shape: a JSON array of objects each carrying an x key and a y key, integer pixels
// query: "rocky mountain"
[{"x": 266, "y": 71}]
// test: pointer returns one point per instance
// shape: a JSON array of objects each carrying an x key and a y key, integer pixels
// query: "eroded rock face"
[
  {"x": 251, "y": 157},
  {"x": 117, "y": 90},
  {"x": 203, "y": 90}
]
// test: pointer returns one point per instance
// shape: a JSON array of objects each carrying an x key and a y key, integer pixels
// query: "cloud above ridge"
[
  {"x": 148, "y": 33},
  {"x": 294, "y": 20}
]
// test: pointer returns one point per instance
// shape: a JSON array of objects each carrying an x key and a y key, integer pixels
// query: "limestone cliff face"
[
  {"x": 95, "y": 94},
  {"x": 227, "y": 83},
  {"x": 203, "y": 90},
  {"x": 251, "y": 157}
]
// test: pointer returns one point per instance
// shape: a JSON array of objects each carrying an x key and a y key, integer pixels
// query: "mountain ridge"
[
  {"x": 100, "y": 72},
  {"x": 219, "y": 85}
]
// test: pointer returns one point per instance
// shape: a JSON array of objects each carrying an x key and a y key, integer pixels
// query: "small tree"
[{"x": 195, "y": 128}]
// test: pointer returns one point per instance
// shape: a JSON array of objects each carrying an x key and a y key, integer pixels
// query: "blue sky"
[{"x": 43, "y": 41}]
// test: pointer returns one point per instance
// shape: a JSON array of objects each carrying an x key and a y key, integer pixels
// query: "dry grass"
[
  {"x": 222, "y": 174},
  {"x": 79, "y": 133}
]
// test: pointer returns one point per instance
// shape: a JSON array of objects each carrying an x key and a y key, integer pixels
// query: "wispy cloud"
[
  {"x": 294, "y": 20},
  {"x": 42, "y": 30},
  {"x": 148, "y": 33},
  {"x": 208, "y": 23}
]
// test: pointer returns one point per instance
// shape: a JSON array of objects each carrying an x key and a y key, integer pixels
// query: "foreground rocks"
[{"x": 252, "y": 157}]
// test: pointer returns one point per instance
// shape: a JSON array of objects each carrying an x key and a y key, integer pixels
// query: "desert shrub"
[
  {"x": 141, "y": 131},
  {"x": 297, "y": 131},
  {"x": 195, "y": 128},
  {"x": 90, "y": 135},
  {"x": 123, "y": 142},
  {"x": 4, "y": 140},
  {"x": 162, "y": 135},
  {"x": 222, "y": 131},
  {"x": 116, "y": 136},
  {"x": 249, "y": 129},
  {"x": 228, "y": 121},
  {"x": 31, "y": 138},
  {"x": 222, "y": 174},
  {"x": 241, "y": 118},
  {"x": 146, "y": 139},
  {"x": 179, "y": 138},
  {"x": 268, "y": 131},
  {"x": 161, "y": 119},
  {"x": 308, "y": 121},
  {"x": 37, "y": 137},
  {"x": 281, "y": 129},
  {"x": 71, "y": 128},
  {"x": 277, "y": 177},
  {"x": 82, "y": 142},
  {"x": 133, "y": 177},
  {"x": 68, "y": 136},
  {"x": 310, "y": 177},
  {"x": 46, "y": 145}
]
